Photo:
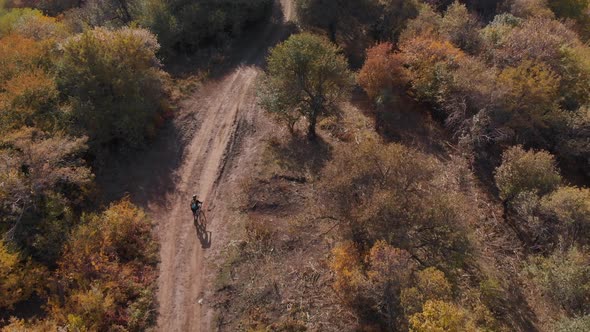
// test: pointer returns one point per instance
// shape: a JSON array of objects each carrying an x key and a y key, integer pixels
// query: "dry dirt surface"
[{"x": 214, "y": 109}]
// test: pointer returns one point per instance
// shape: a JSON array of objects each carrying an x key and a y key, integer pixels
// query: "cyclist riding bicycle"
[{"x": 195, "y": 206}]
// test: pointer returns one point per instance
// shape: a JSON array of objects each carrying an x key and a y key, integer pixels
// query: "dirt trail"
[{"x": 216, "y": 106}]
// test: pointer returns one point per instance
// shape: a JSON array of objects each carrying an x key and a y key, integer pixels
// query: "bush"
[
  {"x": 569, "y": 207},
  {"x": 28, "y": 92},
  {"x": 114, "y": 83},
  {"x": 30, "y": 23},
  {"x": 430, "y": 65},
  {"x": 523, "y": 171},
  {"x": 346, "y": 264},
  {"x": 391, "y": 192},
  {"x": 528, "y": 100},
  {"x": 382, "y": 72},
  {"x": 184, "y": 26},
  {"x": 576, "y": 324},
  {"x": 431, "y": 284},
  {"x": 108, "y": 272},
  {"x": 461, "y": 28},
  {"x": 18, "y": 278},
  {"x": 441, "y": 316},
  {"x": 565, "y": 278}
]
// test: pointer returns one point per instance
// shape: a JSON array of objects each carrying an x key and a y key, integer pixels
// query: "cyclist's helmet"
[{"x": 194, "y": 196}]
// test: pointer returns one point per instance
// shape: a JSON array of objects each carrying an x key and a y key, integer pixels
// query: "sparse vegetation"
[{"x": 470, "y": 231}]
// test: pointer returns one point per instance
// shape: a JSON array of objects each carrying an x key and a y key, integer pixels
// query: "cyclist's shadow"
[{"x": 202, "y": 233}]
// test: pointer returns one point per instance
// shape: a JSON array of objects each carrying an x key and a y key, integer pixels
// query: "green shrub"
[
  {"x": 569, "y": 207},
  {"x": 523, "y": 171},
  {"x": 565, "y": 278}
]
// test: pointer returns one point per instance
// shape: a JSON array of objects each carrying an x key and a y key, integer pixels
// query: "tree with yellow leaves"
[
  {"x": 528, "y": 94},
  {"x": 18, "y": 278},
  {"x": 431, "y": 284},
  {"x": 441, "y": 316}
]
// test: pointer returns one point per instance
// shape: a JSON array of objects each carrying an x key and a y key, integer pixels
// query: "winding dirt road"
[{"x": 216, "y": 106}]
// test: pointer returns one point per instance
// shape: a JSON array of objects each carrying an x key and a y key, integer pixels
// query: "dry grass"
[{"x": 276, "y": 277}]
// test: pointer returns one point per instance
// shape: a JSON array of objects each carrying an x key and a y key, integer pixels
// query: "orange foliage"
[
  {"x": 382, "y": 71},
  {"x": 425, "y": 50},
  {"x": 389, "y": 264},
  {"x": 107, "y": 268},
  {"x": 26, "y": 99},
  {"x": 430, "y": 63},
  {"x": 346, "y": 264},
  {"x": 17, "y": 54}
]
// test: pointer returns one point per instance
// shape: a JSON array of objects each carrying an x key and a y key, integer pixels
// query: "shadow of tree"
[
  {"x": 405, "y": 121},
  {"x": 300, "y": 156},
  {"x": 248, "y": 49},
  {"x": 145, "y": 175}
]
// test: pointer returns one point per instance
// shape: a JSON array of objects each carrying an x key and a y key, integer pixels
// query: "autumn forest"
[{"x": 392, "y": 165}]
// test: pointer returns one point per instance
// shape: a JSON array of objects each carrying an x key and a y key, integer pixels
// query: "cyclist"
[{"x": 195, "y": 206}]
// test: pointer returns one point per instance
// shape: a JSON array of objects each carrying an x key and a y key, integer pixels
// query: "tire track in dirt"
[{"x": 217, "y": 104}]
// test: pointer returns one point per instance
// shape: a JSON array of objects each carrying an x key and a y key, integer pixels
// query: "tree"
[
  {"x": 426, "y": 24},
  {"x": 572, "y": 143},
  {"x": 577, "y": 10},
  {"x": 34, "y": 166},
  {"x": 394, "y": 15},
  {"x": 333, "y": 16},
  {"x": 461, "y": 28},
  {"x": 523, "y": 171},
  {"x": 575, "y": 74},
  {"x": 18, "y": 278},
  {"x": 570, "y": 8},
  {"x": 389, "y": 271},
  {"x": 530, "y": 8},
  {"x": 346, "y": 263},
  {"x": 108, "y": 271},
  {"x": 440, "y": 316},
  {"x": 569, "y": 207},
  {"x": 538, "y": 40},
  {"x": 382, "y": 72},
  {"x": 390, "y": 192},
  {"x": 306, "y": 73},
  {"x": 185, "y": 26},
  {"x": 430, "y": 65},
  {"x": 565, "y": 278},
  {"x": 431, "y": 284},
  {"x": 527, "y": 96},
  {"x": 114, "y": 83}
]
